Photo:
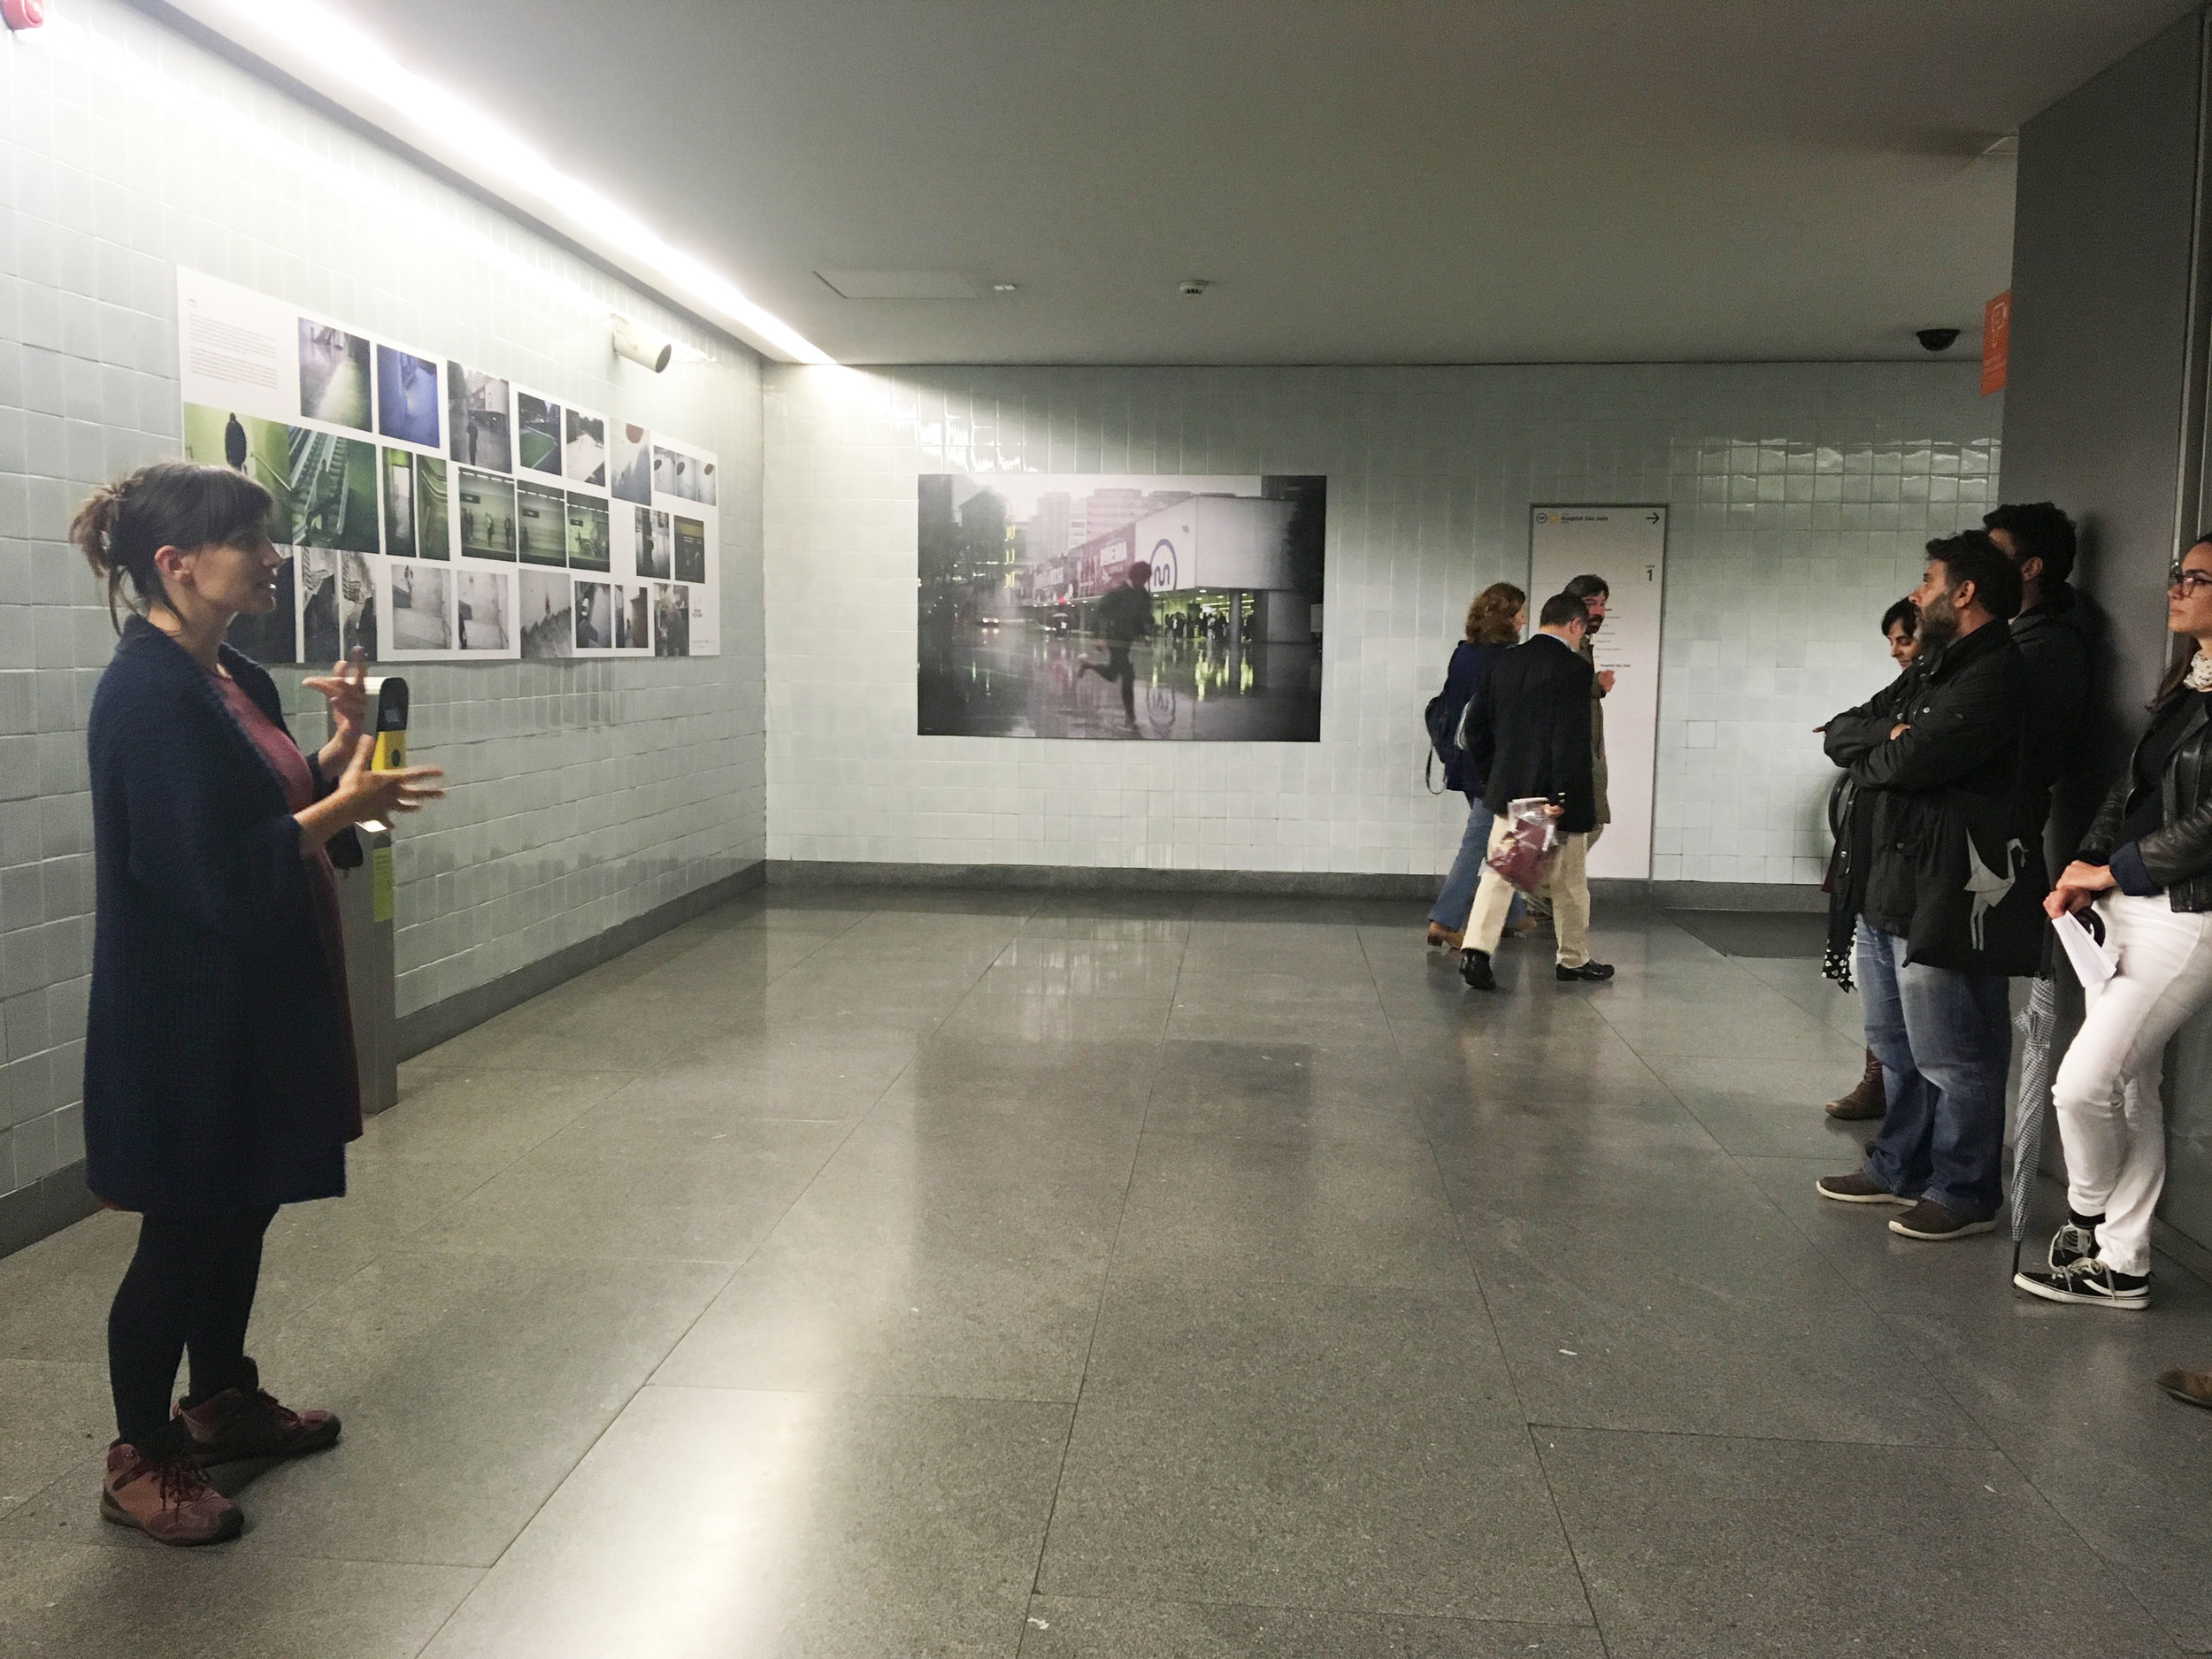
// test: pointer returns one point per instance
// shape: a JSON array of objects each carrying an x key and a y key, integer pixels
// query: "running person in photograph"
[{"x": 1125, "y": 617}]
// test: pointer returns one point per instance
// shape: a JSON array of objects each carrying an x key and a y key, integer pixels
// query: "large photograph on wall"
[
  {"x": 410, "y": 509},
  {"x": 1121, "y": 608}
]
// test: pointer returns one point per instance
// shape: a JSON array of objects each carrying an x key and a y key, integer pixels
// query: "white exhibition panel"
[
  {"x": 432, "y": 511},
  {"x": 1627, "y": 546}
]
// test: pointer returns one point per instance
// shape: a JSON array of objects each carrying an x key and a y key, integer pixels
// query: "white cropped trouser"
[{"x": 2109, "y": 1114}]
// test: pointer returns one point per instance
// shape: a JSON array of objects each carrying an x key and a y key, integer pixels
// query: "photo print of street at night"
[{"x": 1121, "y": 607}]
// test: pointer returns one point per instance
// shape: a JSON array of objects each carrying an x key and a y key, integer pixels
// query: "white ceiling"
[{"x": 1384, "y": 180}]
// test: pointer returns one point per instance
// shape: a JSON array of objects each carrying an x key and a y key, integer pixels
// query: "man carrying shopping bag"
[{"x": 1527, "y": 732}]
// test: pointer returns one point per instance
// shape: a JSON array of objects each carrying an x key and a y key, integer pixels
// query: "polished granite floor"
[{"x": 876, "y": 1273}]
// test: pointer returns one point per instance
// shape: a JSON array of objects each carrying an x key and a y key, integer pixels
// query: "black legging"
[
  {"x": 190, "y": 1286},
  {"x": 1117, "y": 667}
]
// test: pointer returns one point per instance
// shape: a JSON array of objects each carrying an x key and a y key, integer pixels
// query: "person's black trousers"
[{"x": 189, "y": 1289}]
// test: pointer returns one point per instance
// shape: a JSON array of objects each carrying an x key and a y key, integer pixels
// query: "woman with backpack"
[{"x": 1495, "y": 622}]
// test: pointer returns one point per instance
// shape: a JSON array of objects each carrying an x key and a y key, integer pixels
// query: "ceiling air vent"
[{"x": 900, "y": 285}]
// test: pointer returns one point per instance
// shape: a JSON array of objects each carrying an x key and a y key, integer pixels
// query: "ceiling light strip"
[{"x": 501, "y": 158}]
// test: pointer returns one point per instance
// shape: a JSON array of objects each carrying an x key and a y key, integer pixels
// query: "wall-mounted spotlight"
[{"x": 633, "y": 342}]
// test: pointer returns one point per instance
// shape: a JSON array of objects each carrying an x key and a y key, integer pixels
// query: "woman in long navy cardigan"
[{"x": 220, "y": 1076}]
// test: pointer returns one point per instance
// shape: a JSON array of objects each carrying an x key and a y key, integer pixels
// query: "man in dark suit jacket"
[{"x": 1527, "y": 731}]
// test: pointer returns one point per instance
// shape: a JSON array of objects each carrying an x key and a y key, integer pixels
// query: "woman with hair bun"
[{"x": 220, "y": 1076}]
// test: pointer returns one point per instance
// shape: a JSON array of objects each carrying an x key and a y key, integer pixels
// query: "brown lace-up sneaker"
[
  {"x": 1857, "y": 1188},
  {"x": 168, "y": 1499},
  {"x": 235, "y": 1424},
  {"x": 1866, "y": 1099}
]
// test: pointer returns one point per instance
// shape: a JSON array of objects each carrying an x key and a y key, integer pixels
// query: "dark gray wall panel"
[
  {"x": 2106, "y": 341},
  {"x": 2101, "y": 301}
]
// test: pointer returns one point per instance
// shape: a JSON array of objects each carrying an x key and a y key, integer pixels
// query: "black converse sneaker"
[
  {"x": 2087, "y": 1279},
  {"x": 2071, "y": 1243}
]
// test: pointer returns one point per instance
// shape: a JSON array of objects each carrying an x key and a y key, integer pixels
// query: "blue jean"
[
  {"x": 1457, "y": 899},
  {"x": 1945, "y": 1040}
]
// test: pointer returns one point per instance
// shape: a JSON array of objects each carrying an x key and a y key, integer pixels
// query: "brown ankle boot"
[
  {"x": 1866, "y": 1098},
  {"x": 167, "y": 1498}
]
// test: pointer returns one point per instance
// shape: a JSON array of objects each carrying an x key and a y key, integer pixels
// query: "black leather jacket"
[{"x": 2177, "y": 857}]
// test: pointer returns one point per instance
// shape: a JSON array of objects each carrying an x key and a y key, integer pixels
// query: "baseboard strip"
[{"x": 428, "y": 1027}]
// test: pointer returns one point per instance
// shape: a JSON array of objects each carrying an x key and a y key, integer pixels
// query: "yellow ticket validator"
[{"x": 387, "y": 718}]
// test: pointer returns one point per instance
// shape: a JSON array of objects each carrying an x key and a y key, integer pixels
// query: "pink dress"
[{"x": 298, "y": 783}]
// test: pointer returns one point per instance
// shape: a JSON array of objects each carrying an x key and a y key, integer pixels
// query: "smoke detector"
[{"x": 1191, "y": 287}]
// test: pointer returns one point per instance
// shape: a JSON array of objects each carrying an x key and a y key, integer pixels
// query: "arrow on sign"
[{"x": 1651, "y": 519}]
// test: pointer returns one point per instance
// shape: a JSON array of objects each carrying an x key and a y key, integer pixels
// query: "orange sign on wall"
[{"x": 1996, "y": 341}]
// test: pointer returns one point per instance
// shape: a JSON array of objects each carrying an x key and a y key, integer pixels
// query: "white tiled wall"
[
  {"x": 1803, "y": 495},
  {"x": 584, "y": 794}
]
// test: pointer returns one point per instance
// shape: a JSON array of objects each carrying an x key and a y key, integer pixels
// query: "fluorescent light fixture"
[{"x": 495, "y": 156}]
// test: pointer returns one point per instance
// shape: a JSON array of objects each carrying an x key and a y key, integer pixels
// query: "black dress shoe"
[
  {"x": 1595, "y": 972},
  {"x": 1474, "y": 967}
]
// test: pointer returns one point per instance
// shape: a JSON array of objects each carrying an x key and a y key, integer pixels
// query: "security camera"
[
  {"x": 633, "y": 342},
  {"x": 1936, "y": 339},
  {"x": 1191, "y": 287}
]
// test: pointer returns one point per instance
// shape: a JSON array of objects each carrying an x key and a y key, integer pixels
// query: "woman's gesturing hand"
[
  {"x": 2078, "y": 884},
  {"x": 344, "y": 688},
  {"x": 366, "y": 795},
  {"x": 378, "y": 795}
]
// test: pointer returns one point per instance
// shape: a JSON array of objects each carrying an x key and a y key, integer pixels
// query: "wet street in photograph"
[{"x": 1017, "y": 680}]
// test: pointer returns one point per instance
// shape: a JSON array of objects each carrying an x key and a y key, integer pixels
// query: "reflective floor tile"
[
  {"x": 1700, "y": 1547},
  {"x": 53, "y": 1415},
  {"x": 712, "y": 1521},
  {"x": 1361, "y": 1212},
  {"x": 1073, "y": 1628},
  {"x": 61, "y": 1599}
]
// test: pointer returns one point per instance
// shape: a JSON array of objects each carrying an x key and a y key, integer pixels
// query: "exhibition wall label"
[{"x": 429, "y": 510}]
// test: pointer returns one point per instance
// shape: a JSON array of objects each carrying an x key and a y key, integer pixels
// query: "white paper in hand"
[{"x": 2094, "y": 961}]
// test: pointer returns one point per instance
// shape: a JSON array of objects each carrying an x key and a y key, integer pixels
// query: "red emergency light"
[{"x": 22, "y": 14}]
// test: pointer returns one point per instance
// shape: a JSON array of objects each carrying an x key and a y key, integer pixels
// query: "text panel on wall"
[{"x": 1627, "y": 547}]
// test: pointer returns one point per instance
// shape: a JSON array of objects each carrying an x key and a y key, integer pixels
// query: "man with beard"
[{"x": 1953, "y": 895}]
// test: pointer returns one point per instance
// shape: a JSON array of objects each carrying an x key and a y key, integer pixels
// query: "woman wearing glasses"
[{"x": 2145, "y": 867}]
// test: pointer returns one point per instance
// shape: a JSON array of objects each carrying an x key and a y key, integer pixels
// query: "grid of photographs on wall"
[{"x": 431, "y": 509}]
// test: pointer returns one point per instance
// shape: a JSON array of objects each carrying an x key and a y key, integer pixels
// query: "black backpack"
[{"x": 1441, "y": 716}]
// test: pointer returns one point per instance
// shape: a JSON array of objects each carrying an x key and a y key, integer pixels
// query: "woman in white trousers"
[{"x": 2145, "y": 867}]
